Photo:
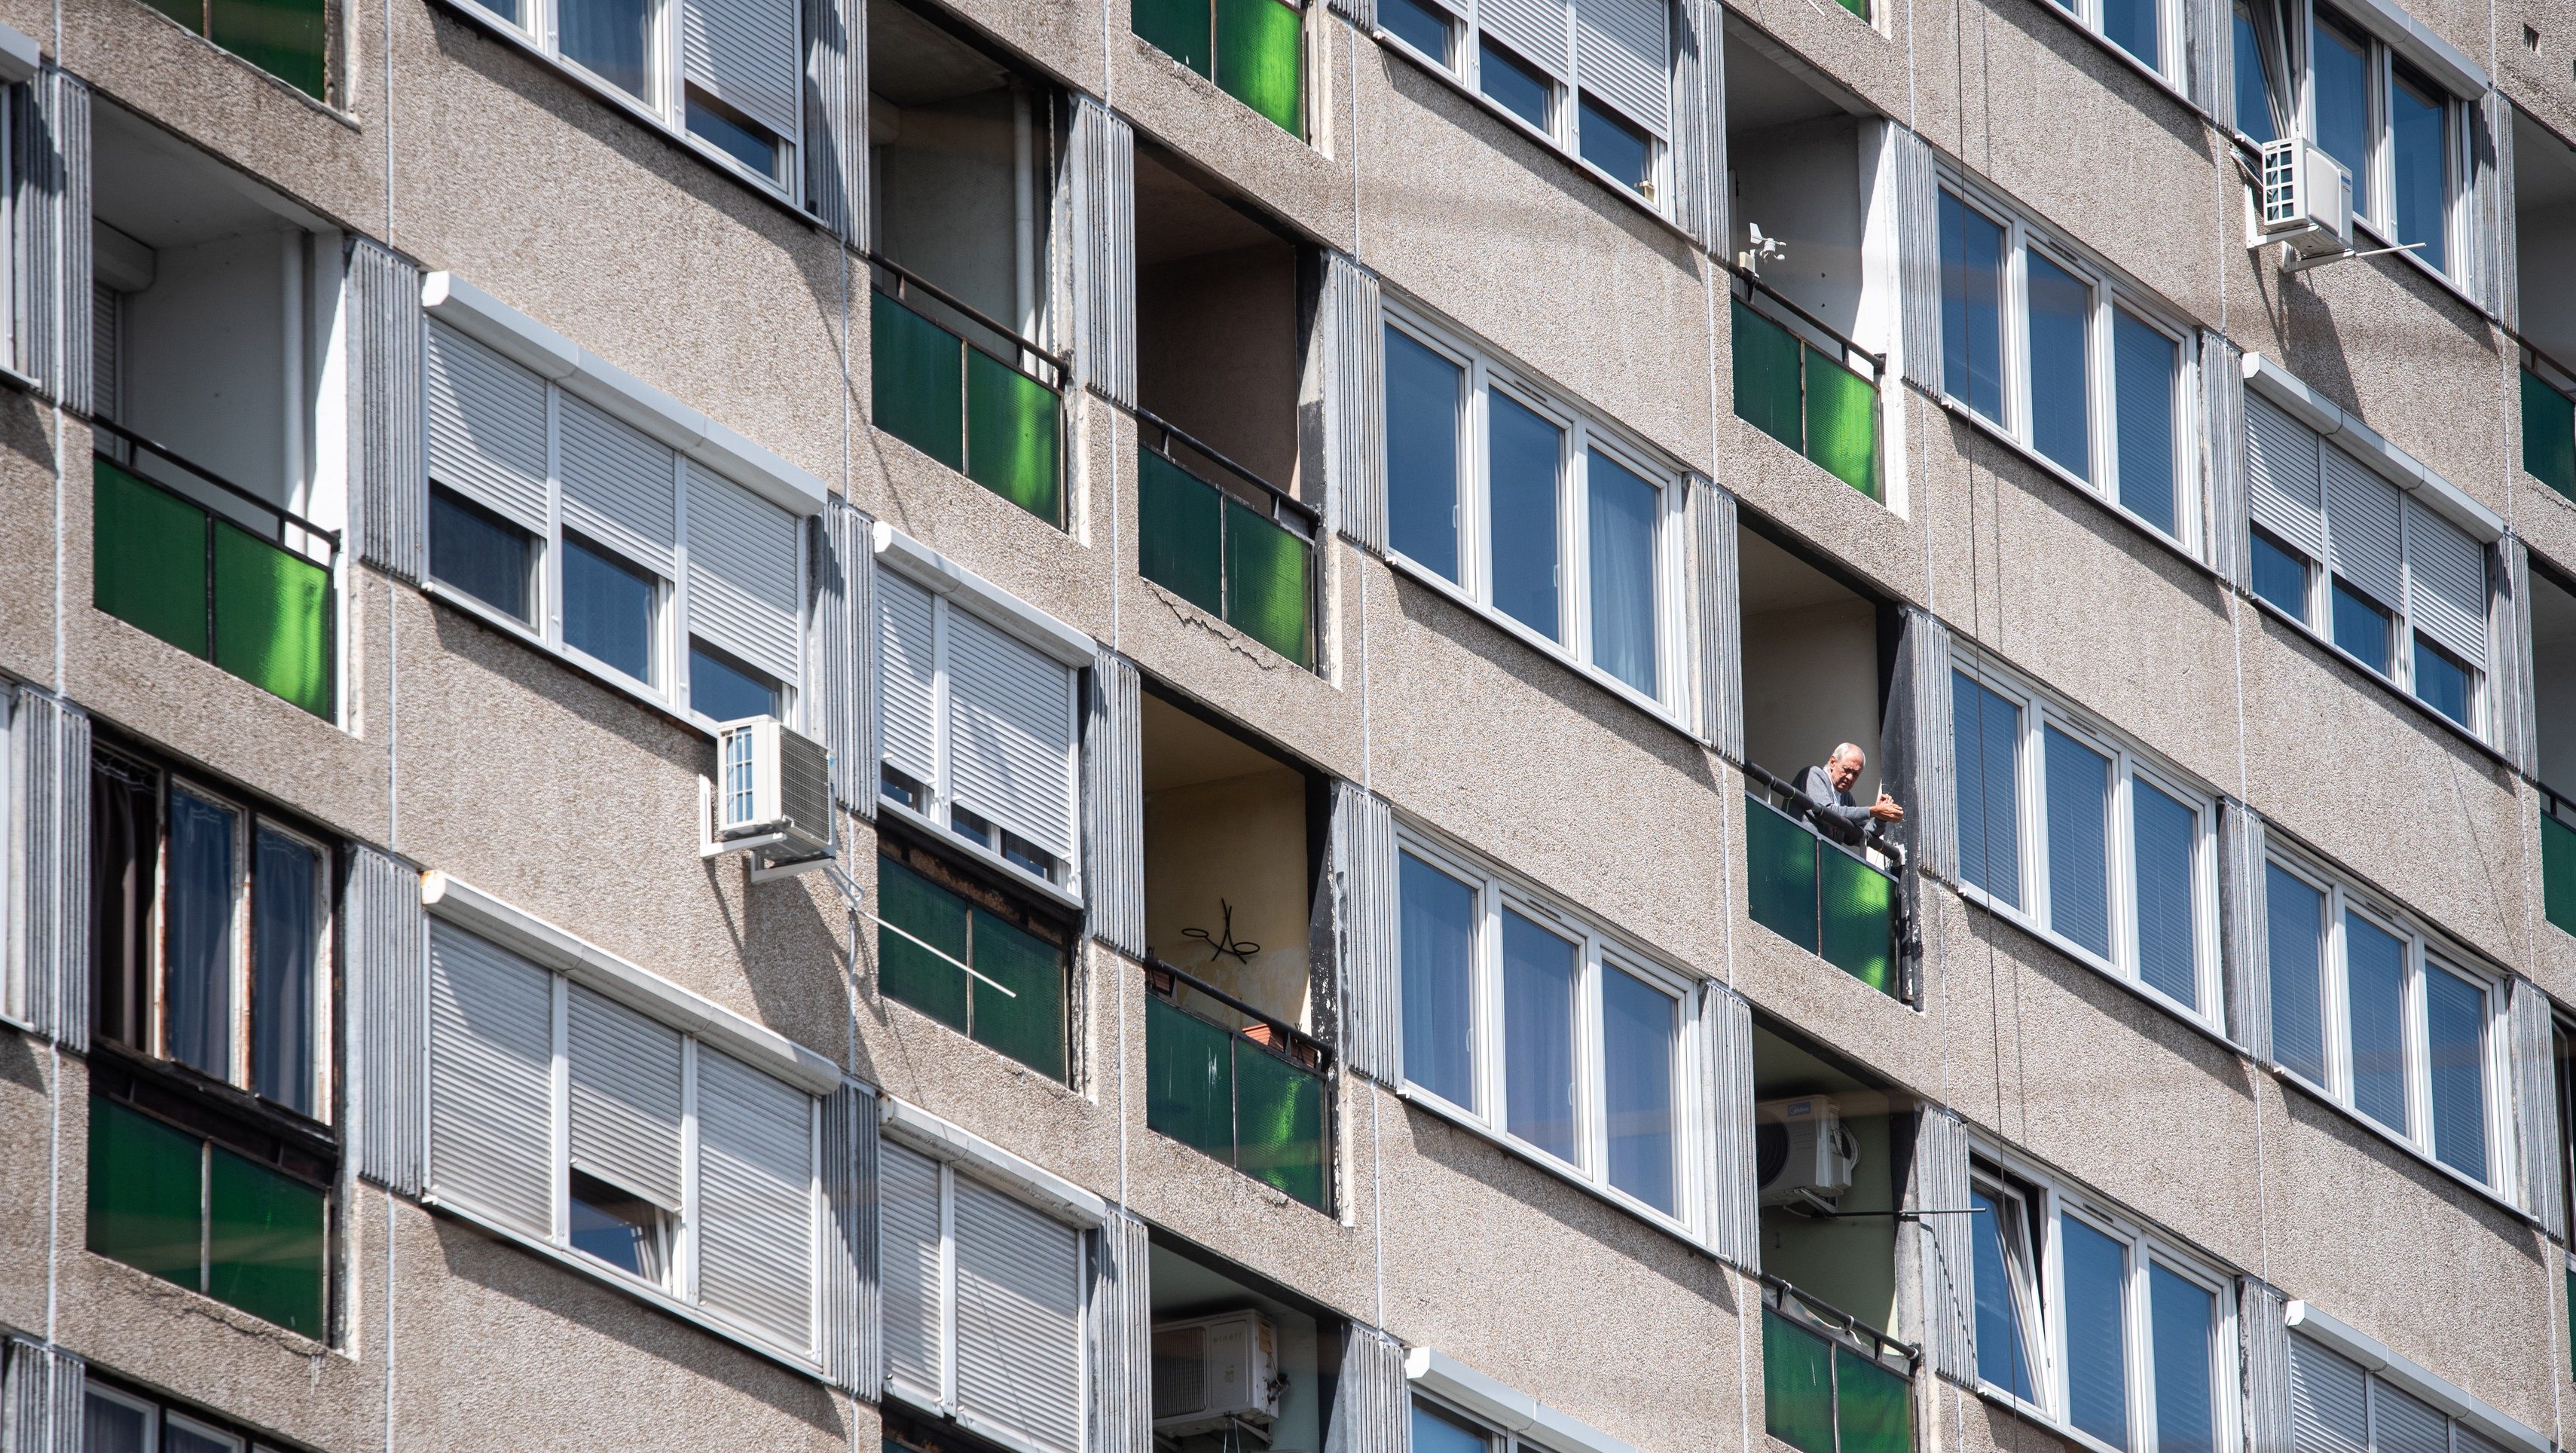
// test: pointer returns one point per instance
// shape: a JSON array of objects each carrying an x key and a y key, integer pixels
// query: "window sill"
[
  {"x": 616, "y": 681},
  {"x": 1615, "y": 1199},
  {"x": 2339, "y": 656},
  {"x": 2154, "y": 997},
  {"x": 2064, "y": 476},
  {"x": 946, "y": 839},
  {"x": 2153, "y": 77},
  {"x": 2313, "y": 1091},
  {"x": 2024, "y": 1409}
]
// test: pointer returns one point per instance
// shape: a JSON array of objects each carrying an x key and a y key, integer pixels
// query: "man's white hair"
[{"x": 1850, "y": 748}]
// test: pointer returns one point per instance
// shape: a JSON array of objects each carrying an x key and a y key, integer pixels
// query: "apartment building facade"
[{"x": 987, "y": 727}]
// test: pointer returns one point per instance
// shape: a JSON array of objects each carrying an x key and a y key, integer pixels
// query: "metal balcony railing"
[
  {"x": 1829, "y": 1383},
  {"x": 1243, "y": 551},
  {"x": 1804, "y": 384},
  {"x": 998, "y": 421},
  {"x": 1831, "y": 900},
  {"x": 1257, "y": 1095}
]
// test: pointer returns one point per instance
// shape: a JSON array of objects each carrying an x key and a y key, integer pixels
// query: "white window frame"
[
  {"x": 2167, "y": 64},
  {"x": 1599, "y": 952},
  {"x": 2109, "y": 295},
  {"x": 2317, "y": 619},
  {"x": 2129, "y": 766},
  {"x": 1584, "y": 432},
  {"x": 13, "y": 842},
  {"x": 157, "y": 1415},
  {"x": 2380, "y": 166}
]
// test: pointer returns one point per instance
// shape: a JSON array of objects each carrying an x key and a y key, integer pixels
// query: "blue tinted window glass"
[
  {"x": 608, "y": 609},
  {"x": 2441, "y": 681},
  {"x": 2097, "y": 1381},
  {"x": 2131, "y": 25},
  {"x": 2143, "y": 363},
  {"x": 2339, "y": 74},
  {"x": 2182, "y": 1315},
  {"x": 1418, "y": 25},
  {"x": 2003, "y": 1343},
  {"x": 2079, "y": 859},
  {"x": 2295, "y": 925},
  {"x": 480, "y": 553},
  {"x": 2375, "y": 974},
  {"x": 1524, "y": 457},
  {"x": 723, "y": 691},
  {"x": 1623, "y": 509},
  {"x": 1637, "y": 1039},
  {"x": 1538, "y": 1035},
  {"x": 2418, "y": 136},
  {"x": 2455, "y": 1017},
  {"x": 1986, "y": 733},
  {"x": 2253, "y": 91},
  {"x": 1425, "y": 394},
  {"x": 733, "y": 133},
  {"x": 2166, "y": 832},
  {"x": 1437, "y": 1432},
  {"x": 1607, "y": 141},
  {"x": 2061, "y": 307},
  {"x": 2279, "y": 576},
  {"x": 197, "y": 948},
  {"x": 609, "y": 39},
  {"x": 1972, "y": 329},
  {"x": 1438, "y": 916},
  {"x": 2361, "y": 627},
  {"x": 1515, "y": 87}
]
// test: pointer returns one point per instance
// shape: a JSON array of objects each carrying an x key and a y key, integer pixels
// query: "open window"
[
  {"x": 2544, "y": 230},
  {"x": 1240, "y": 1362}
]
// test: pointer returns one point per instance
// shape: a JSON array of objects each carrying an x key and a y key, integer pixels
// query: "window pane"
[
  {"x": 2183, "y": 1316},
  {"x": 285, "y": 938},
  {"x": 264, "y": 1242},
  {"x": 482, "y": 554},
  {"x": 724, "y": 691},
  {"x": 1423, "y": 400},
  {"x": 608, "y": 38},
  {"x": 2061, "y": 306},
  {"x": 2097, "y": 1386},
  {"x": 1418, "y": 25},
  {"x": 2131, "y": 25},
  {"x": 2166, "y": 833},
  {"x": 1610, "y": 143},
  {"x": 147, "y": 1188},
  {"x": 618, "y": 1227},
  {"x": 2279, "y": 576},
  {"x": 1972, "y": 330},
  {"x": 1021, "y": 1011},
  {"x": 2375, "y": 974},
  {"x": 176, "y": 1438},
  {"x": 1526, "y": 452},
  {"x": 1436, "y": 1432},
  {"x": 2143, "y": 363},
  {"x": 2441, "y": 682},
  {"x": 2361, "y": 627},
  {"x": 1513, "y": 86},
  {"x": 2455, "y": 1017},
  {"x": 2295, "y": 926},
  {"x": 1439, "y": 928},
  {"x": 732, "y": 133},
  {"x": 2079, "y": 860},
  {"x": 2339, "y": 62},
  {"x": 2003, "y": 1343},
  {"x": 108, "y": 1426},
  {"x": 125, "y": 849},
  {"x": 1986, "y": 732},
  {"x": 1623, "y": 509},
  {"x": 2417, "y": 135},
  {"x": 1538, "y": 1035},
  {"x": 2253, "y": 90},
  {"x": 1637, "y": 1036},
  {"x": 199, "y": 943},
  {"x": 607, "y": 609}
]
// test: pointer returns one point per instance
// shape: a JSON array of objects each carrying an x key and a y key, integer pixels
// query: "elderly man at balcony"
[{"x": 1828, "y": 792}]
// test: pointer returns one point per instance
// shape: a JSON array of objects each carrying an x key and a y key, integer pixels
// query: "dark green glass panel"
[
  {"x": 145, "y": 1193},
  {"x": 286, "y": 38},
  {"x": 190, "y": 13},
  {"x": 1177, "y": 28},
  {"x": 1857, "y": 7},
  {"x": 2548, "y": 435},
  {"x": 1780, "y": 882},
  {"x": 1011, "y": 436},
  {"x": 1852, "y": 907},
  {"x": 906, "y": 971},
  {"x": 1028, "y": 1023},
  {"x": 1189, "y": 1079},
  {"x": 918, "y": 389},
  {"x": 1180, "y": 534},
  {"x": 2558, "y": 872},
  {"x": 272, "y": 618},
  {"x": 1797, "y": 1385},
  {"x": 1265, "y": 581},
  {"x": 1766, "y": 377},
  {"x": 1279, "y": 1123},
  {"x": 264, "y": 1243},
  {"x": 1873, "y": 1408},
  {"x": 1261, "y": 59},
  {"x": 1842, "y": 422},
  {"x": 150, "y": 561}
]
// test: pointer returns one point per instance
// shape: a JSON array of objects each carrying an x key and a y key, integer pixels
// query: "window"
[
  {"x": 218, "y": 1214},
  {"x": 2253, "y": 91},
  {"x": 2112, "y": 856},
  {"x": 2404, "y": 139},
  {"x": 642, "y": 566},
  {"x": 13, "y": 960},
  {"x": 1536, "y": 1027},
  {"x": 2067, "y": 363},
  {"x": 1533, "y": 511},
  {"x": 963, "y": 956},
  {"x": 2144, "y": 28},
  {"x": 114, "y": 1420},
  {"x": 2335, "y": 1402},
  {"x": 1423, "y": 26},
  {"x": 2394, "y": 585},
  {"x": 2374, "y": 1016},
  {"x": 2094, "y": 1323}
]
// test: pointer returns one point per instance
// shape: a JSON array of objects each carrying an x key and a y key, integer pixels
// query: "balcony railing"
[
  {"x": 1256, "y": 1094},
  {"x": 1804, "y": 384},
  {"x": 2558, "y": 860},
  {"x": 255, "y": 601},
  {"x": 1245, "y": 554},
  {"x": 1255, "y": 50},
  {"x": 1828, "y": 899},
  {"x": 983, "y": 415},
  {"x": 1830, "y": 1384},
  {"x": 2548, "y": 421}
]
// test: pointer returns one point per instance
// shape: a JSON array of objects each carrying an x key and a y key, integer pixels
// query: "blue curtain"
[
  {"x": 2003, "y": 1346},
  {"x": 284, "y": 939},
  {"x": 198, "y": 964}
]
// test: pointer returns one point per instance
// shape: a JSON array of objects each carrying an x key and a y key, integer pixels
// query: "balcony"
[
  {"x": 1235, "y": 1084},
  {"x": 1243, "y": 551},
  {"x": 2544, "y": 232},
  {"x": 1829, "y": 1383},
  {"x": 2548, "y": 422},
  {"x": 214, "y": 570},
  {"x": 2551, "y": 610},
  {"x": 989, "y": 417},
  {"x": 1254, "y": 50},
  {"x": 1832, "y": 901},
  {"x": 1804, "y": 385},
  {"x": 289, "y": 39}
]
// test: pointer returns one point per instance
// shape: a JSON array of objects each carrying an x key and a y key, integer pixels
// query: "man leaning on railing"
[{"x": 1828, "y": 793}]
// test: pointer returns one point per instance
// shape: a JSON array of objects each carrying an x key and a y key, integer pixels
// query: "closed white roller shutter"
[
  {"x": 755, "y": 1199},
  {"x": 1624, "y": 54},
  {"x": 491, "y": 1080},
  {"x": 487, "y": 427},
  {"x": 1010, "y": 732},
  {"x": 2406, "y": 1424},
  {"x": 2364, "y": 540},
  {"x": 2446, "y": 583},
  {"x": 1019, "y": 1319},
  {"x": 625, "y": 1077},
  {"x": 2329, "y": 1407},
  {"x": 909, "y": 1262},
  {"x": 1535, "y": 29},
  {"x": 2281, "y": 476},
  {"x": 618, "y": 486},
  {"x": 908, "y": 677},
  {"x": 742, "y": 574},
  {"x": 747, "y": 53}
]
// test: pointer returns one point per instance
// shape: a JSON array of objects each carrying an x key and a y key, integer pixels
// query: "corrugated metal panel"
[
  {"x": 2261, "y": 1322},
  {"x": 851, "y": 1355},
  {"x": 1734, "y": 1214},
  {"x": 1719, "y": 600},
  {"x": 2281, "y": 481},
  {"x": 387, "y": 937},
  {"x": 746, "y": 54},
  {"x": 1940, "y": 1183},
  {"x": 1122, "y": 1341},
  {"x": 836, "y": 117},
  {"x": 1373, "y": 1404},
  {"x": 71, "y": 122},
  {"x": 1354, "y": 401},
  {"x": 1363, "y": 844},
  {"x": 907, "y": 677},
  {"x": 42, "y": 1392},
  {"x": 491, "y": 1080},
  {"x": 756, "y": 1243},
  {"x": 743, "y": 590},
  {"x": 1538, "y": 30},
  {"x": 37, "y": 214},
  {"x": 1019, "y": 1319},
  {"x": 386, "y": 457},
  {"x": 1103, "y": 197},
  {"x": 2204, "y": 24},
  {"x": 2329, "y": 1400},
  {"x": 619, "y": 488},
  {"x": 1624, "y": 56},
  {"x": 2446, "y": 583},
  {"x": 53, "y": 745},
  {"x": 1699, "y": 124},
  {"x": 486, "y": 418},
  {"x": 2535, "y": 1104},
  {"x": 912, "y": 1251},
  {"x": 2245, "y": 940},
  {"x": 1918, "y": 247},
  {"x": 1010, "y": 731},
  {"x": 841, "y": 707},
  {"x": 2222, "y": 382},
  {"x": 2479, "y": 269},
  {"x": 624, "y": 1074},
  {"x": 2365, "y": 536},
  {"x": 1113, "y": 878},
  {"x": 2520, "y": 695}
]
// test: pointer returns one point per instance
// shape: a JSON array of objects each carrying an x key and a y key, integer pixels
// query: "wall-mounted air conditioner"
[
  {"x": 1801, "y": 1153},
  {"x": 1212, "y": 1372},
  {"x": 773, "y": 792},
  {"x": 2307, "y": 200}
]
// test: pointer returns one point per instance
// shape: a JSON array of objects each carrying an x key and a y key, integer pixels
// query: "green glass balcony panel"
[
  {"x": 1189, "y": 1079},
  {"x": 1012, "y": 436},
  {"x": 1797, "y": 1385},
  {"x": 918, "y": 391},
  {"x": 2548, "y": 434},
  {"x": 1854, "y": 902},
  {"x": 1780, "y": 883},
  {"x": 289, "y": 39},
  {"x": 1873, "y": 1407},
  {"x": 1178, "y": 28},
  {"x": 1857, "y": 7},
  {"x": 1266, "y": 590},
  {"x": 1279, "y": 1122},
  {"x": 264, "y": 1242},
  {"x": 190, "y": 13},
  {"x": 149, "y": 565},
  {"x": 2558, "y": 872},
  {"x": 908, "y": 972},
  {"x": 146, "y": 1193},
  {"x": 273, "y": 618},
  {"x": 1261, "y": 59},
  {"x": 1766, "y": 378},
  {"x": 1842, "y": 422},
  {"x": 1027, "y": 1023},
  {"x": 1180, "y": 541}
]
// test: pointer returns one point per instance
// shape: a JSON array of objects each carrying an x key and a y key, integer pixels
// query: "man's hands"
[{"x": 1886, "y": 810}]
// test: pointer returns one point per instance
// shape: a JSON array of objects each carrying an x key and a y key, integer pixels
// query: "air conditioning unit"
[
  {"x": 773, "y": 791},
  {"x": 1801, "y": 1153},
  {"x": 2307, "y": 199},
  {"x": 1214, "y": 1372}
]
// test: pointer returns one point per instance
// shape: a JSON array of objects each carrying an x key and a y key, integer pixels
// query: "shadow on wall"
[
  {"x": 2013, "y": 944},
  {"x": 2505, "y": 1228},
  {"x": 18, "y": 1063}
]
